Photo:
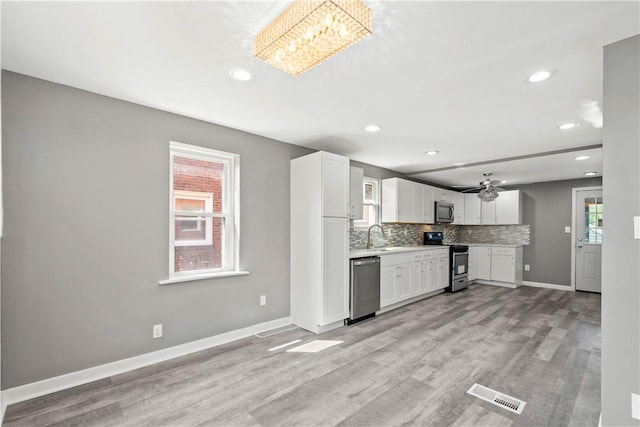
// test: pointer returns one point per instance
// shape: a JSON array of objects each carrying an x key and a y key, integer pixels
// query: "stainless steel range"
[{"x": 458, "y": 261}]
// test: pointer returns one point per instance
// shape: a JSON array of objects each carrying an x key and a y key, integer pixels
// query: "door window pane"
[{"x": 593, "y": 220}]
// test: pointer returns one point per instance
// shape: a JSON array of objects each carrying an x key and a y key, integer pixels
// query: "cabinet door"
[
  {"x": 503, "y": 268},
  {"x": 356, "y": 193},
  {"x": 458, "y": 207},
  {"x": 335, "y": 185},
  {"x": 424, "y": 277},
  {"x": 427, "y": 204},
  {"x": 443, "y": 273},
  {"x": 488, "y": 212},
  {"x": 509, "y": 207},
  {"x": 473, "y": 263},
  {"x": 471, "y": 209},
  {"x": 484, "y": 263},
  {"x": 415, "y": 278},
  {"x": 335, "y": 269},
  {"x": 403, "y": 282},
  {"x": 418, "y": 202},
  {"x": 432, "y": 274},
  {"x": 405, "y": 201},
  {"x": 387, "y": 285}
]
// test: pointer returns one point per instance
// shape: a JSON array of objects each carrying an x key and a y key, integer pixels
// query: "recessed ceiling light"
[
  {"x": 459, "y": 164},
  {"x": 567, "y": 126},
  {"x": 540, "y": 76},
  {"x": 373, "y": 128},
  {"x": 240, "y": 75},
  {"x": 503, "y": 182},
  {"x": 582, "y": 158},
  {"x": 431, "y": 152},
  {"x": 591, "y": 173}
]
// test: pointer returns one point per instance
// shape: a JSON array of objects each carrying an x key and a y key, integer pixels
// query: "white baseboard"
[
  {"x": 500, "y": 284},
  {"x": 547, "y": 285},
  {"x": 73, "y": 379}
]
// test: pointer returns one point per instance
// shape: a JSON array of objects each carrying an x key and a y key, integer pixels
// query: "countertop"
[{"x": 361, "y": 253}]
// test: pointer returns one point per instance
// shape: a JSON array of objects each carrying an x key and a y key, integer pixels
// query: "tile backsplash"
[{"x": 412, "y": 234}]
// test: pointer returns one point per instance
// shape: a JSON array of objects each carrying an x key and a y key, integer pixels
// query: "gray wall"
[
  {"x": 86, "y": 237},
  {"x": 547, "y": 209},
  {"x": 620, "y": 251}
]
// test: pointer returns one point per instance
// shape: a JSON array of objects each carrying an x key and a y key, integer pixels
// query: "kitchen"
[{"x": 80, "y": 289}]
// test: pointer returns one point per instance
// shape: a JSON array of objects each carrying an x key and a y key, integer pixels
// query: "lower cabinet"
[
  {"x": 498, "y": 264},
  {"x": 410, "y": 274},
  {"x": 473, "y": 263}
]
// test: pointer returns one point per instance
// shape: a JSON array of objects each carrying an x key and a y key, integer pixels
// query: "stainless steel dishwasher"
[{"x": 365, "y": 288}]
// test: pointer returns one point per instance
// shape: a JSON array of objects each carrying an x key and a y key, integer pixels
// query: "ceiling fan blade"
[
  {"x": 471, "y": 189},
  {"x": 498, "y": 188}
]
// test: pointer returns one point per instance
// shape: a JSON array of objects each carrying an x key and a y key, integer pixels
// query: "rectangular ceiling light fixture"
[{"x": 310, "y": 31}]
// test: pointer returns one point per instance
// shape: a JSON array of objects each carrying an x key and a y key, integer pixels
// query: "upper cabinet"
[
  {"x": 356, "y": 195},
  {"x": 506, "y": 209},
  {"x": 509, "y": 207},
  {"x": 406, "y": 201},
  {"x": 472, "y": 212},
  {"x": 335, "y": 185}
]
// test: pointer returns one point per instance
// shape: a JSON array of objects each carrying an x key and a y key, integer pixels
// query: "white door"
[
  {"x": 503, "y": 268},
  {"x": 418, "y": 202},
  {"x": 588, "y": 240},
  {"x": 405, "y": 201},
  {"x": 387, "y": 279},
  {"x": 488, "y": 212}
]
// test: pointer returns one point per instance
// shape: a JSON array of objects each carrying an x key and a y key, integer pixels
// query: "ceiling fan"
[{"x": 488, "y": 188}]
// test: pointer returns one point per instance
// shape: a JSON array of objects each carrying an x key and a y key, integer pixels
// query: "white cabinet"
[
  {"x": 319, "y": 241},
  {"x": 418, "y": 202},
  {"x": 508, "y": 207},
  {"x": 410, "y": 274},
  {"x": 397, "y": 200},
  {"x": 503, "y": 268},
  {"x": 356, "y": 183},
  {"x": 473, "y": 263},
  {"x": 472, "y": 214},
  {"x": 458, "y": 207},
  {"x": 335, "y": 243},
  {"x": 427, "y": 204},
  {"x": 395, "y": 283},
  {"x": 335, "y": 185},
  {"x": 484, "y": 263},
  {"x": 499, "y": 264}
]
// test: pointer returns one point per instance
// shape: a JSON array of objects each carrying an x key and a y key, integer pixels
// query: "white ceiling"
[{"x": 448, "y": 76}]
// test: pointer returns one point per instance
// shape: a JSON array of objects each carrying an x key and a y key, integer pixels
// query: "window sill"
[{"x": 193, "y": 277}]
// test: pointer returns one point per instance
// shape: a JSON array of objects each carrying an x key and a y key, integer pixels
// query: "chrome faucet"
[{"x": 369, "y": 242}]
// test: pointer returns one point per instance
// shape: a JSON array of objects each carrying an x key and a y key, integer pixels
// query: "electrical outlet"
[
  {"x": 567, "y": 229},
  {"x": 527, "y": 267},
  {"x": 157, "y": 331},
  {"x": 263, "y": 300}
]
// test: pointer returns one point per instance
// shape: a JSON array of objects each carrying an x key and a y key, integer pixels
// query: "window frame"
[
  {"x": 208, "y": 201},
  {"x": 230, "y": 212},
  {"x": 377, "y": 205}
]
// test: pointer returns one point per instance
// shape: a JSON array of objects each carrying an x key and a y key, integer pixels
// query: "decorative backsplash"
[
  {"x": 412, "y": 234},
  {"x": 497, "y": 234}
]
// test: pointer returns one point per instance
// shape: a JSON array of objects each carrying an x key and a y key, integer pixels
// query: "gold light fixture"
[{"x": 310, "y": 31}]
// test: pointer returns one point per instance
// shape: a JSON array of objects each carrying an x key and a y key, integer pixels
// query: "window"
[
  {"x": 593, "y": 220},
  {"x": 371, "y": 203},
  {"x": 204, "y": 212}
]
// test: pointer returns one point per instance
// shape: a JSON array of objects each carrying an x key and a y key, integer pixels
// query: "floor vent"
[
  {"x": 276, "y": 331},
  {"x": 499, "y": 399}
]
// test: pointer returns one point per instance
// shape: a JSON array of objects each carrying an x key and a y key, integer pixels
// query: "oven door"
[{"x": 459, "y": 264}]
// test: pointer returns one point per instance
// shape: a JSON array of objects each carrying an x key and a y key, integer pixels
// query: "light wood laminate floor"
[{"x": 411, "y": 366}]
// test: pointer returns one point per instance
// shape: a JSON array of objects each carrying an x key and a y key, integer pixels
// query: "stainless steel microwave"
[{"x": 443, "y": 212}]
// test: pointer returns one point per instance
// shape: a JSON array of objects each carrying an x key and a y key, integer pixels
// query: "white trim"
[
  {"x": 574, "y": 195},
  {"x": 547, "y": 285},
  {"x": 500, "y": 284},
  {"x": 191, "y": 277},
  {"x": 73, "y": 379}
]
